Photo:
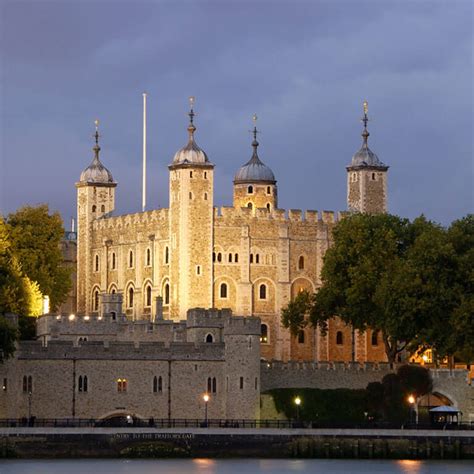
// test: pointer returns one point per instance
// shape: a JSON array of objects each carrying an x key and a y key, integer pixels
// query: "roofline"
[
  {"x": 254, "y": 181},
  {"x": 81, "y": 184},
  {"x": 208, "y": 165},
  {"x": 367, "y": 167}
]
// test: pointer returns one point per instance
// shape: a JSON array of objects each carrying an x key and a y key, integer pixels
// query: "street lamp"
[
  {"x": 411, "y": 400},
  {"x": 297, "y": 403},
  {"x": 206, "y": 400}
]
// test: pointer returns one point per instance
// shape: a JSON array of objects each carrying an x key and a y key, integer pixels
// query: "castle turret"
[
  {"x": 366, "y": 178},
  {"x": 191, "y": 227},
  {"x": 95, "y": 199},
  {"x": 254, "y": 184}
]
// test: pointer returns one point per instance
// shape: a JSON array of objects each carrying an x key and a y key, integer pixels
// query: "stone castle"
[{"x": 252, "y": 257}]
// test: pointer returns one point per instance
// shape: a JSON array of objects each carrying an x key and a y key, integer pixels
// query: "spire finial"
[
  {"x": 255, "y": 131},
  {"x": 365, "y": 120},
  {"x": 96, "y": 136},
  {"x": 191, "y": 127}
]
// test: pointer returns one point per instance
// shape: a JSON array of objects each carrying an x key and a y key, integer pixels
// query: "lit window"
[
  {"x": 5, "y": 385},
  {"x": 263, "y": 292},
  {"x": 223, "y": 290},
  {"x": 264, "y": 333},
  {"x": 122, "y": 385}
]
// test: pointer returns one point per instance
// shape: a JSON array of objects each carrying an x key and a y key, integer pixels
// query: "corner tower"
[
  {"x": 95, "y": 198},
  {"x": 191, "y": 227},
  {"x": 254, "y": 183},
  {"x": 366, "y": 178}
]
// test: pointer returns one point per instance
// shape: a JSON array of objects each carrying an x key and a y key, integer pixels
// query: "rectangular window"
[
  {"x": 5, "y": 385},
  {"x": 241, "y": 383}
]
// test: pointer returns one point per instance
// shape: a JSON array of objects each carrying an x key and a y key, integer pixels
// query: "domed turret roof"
[
  {"x": 365, "y": 157},
  {"x": 254, "y": 171},
  {"x": 191, "y": 154},
  {"x": 96, "y": 172}
]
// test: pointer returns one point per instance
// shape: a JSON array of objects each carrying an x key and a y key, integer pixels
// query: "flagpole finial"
[{"x": 191, "y": 127}]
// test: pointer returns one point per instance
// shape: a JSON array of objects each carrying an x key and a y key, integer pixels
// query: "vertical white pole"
[{"x": 144, "y": 155}]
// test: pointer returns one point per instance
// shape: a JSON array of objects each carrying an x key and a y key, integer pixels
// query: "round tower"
[
  {"x": 95, "y": 199},
  {"x": 191, "y": 227},
  {"x": 255, "y": 184},
  {"x": 366, "y": 177}
]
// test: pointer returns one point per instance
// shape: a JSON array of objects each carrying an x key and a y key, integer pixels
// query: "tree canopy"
[
  {"x": 408, "y": 280},
  {"x": 35, "y": 237}
]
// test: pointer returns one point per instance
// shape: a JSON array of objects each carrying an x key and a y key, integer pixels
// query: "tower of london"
[{"x": 251, "y": 257}]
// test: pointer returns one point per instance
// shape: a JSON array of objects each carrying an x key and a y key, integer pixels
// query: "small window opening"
[
  {"x": 96, "y": 263},
  {"x": 339, "y": 338},
  {"x": 241, "y": 383},
  {"x": 301, "y": 263},
  {"x": 223, "y": 291},
  {"x": 250, "y": 205},
  {"x": 257, "y": 258},
  {"x": 263, "y": 292},
  {"x": 375, "y": 338},
  {"x": 130, "y": 259},
  {"x": 130, "y": 297},
  {"x": 102, "y": 208},
  {"x": 148, "y": 296},
  {"x": 250, "y": 190},
  {"x": 263, "y": 333},
  {"x": 236, "y": 258},
  {"x": 113, "y": 261},
  {"x": 209, "y": 338},
  {"x": 230, "y": 258},
  {"x": 167, "y": 294},
  {"x": 94, "y": 208},
  {"x": 301, "y": 337},
  {"x": 148, "y": 257},
  {"x": 198, "y": 269}
]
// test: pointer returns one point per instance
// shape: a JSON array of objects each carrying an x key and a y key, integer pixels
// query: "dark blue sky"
[{"x": 303, "y": 66}]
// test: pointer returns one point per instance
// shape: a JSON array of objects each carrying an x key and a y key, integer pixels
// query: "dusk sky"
[{"x": 304, "y": 67}]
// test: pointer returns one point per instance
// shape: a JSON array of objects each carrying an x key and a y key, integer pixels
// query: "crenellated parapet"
[{"x": 143, "y": 219}]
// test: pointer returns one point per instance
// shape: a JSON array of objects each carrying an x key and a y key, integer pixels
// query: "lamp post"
[
  {"x": 206, "y": 400},
  {"x": 411, "y": 400},
  {"x": 297, "y": 403}
]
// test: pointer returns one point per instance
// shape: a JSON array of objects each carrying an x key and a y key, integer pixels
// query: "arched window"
[
  {"x": 85, "y": 385},
  {"x": 155, "y": 384},
  {"x": 148, "y": 296},
  {"x": 167, "y": 255},
  {"x": 113, "y": 291},
  {"x": 96, "y": 266},
  {"x": 301, "y": 263},
  {"x": 148, "y": 257},
  {"x": 269, "y": 207},
  {"x": 160, "y": 384},
  {"x": 79, "y": 384},
  {"x": 190, "y": 195},
  {"x": 205, "y": 196},
  {"x": 373, "y": 176},
  {"x": 82, "y": 383},
  {"x": 269, "y": 190},
  {"x": 205, "y": 174},
  {"x": 236, "y": 258},
  {"x": 250, "y": 205},
  {"x": 213, "y": 256},
  {"x": 130, "y": 297},
  {"x": 339, "y": 338},
  {"x": 130, "y": 259},
  {"x": 95, "y": 303},
  {"x": 122, "y": 385},
  {"x": 257, "y": 258},
  {"x": 25, "y": 384},
  {"x": 230, "y": 258},
  {"x": 214, "y": 385},
  {"x": 209, "y": 385},
  {"x": 263, "y": 291},
  {"x": 251, "y": 258},
  {"x": 219, "y": 257},
  {"x": 300, "y": 336},
  {"x": 223, "y": 290},
  {"x": 113, "y": 261},
  {"x": 250, "y": 190},
  {"x": 190, "y": 174},
  {"x": 209, "y": 338},
  {"x": 167, "y": 294},
  {"x": 264, "y": 333},
  {"x": 94, "y": 208},
  {"x": 375, "y": 338},
  {"x": 113, "y": 315},
  {"x": 102, "y": 208}
]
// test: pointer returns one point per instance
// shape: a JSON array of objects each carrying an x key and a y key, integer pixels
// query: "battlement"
[
  {"x": 128, "y": 220},
  {"x": 221, "y": 214},
  {"x": 207, "y": 318},
  {"x": 240, "y": 325},
  {"x": 107, "y": 350}
]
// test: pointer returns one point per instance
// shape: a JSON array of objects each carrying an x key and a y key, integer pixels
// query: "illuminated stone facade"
[{"x": 252, "y": 257}]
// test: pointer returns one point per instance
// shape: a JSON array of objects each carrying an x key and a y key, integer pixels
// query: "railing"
[{"x": 133, "y": 422}]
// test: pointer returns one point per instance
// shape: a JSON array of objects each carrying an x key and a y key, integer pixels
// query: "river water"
[{"x": 233, "y": 466}]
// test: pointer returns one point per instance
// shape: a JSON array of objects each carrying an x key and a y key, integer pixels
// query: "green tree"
[
  {"x": 8, "y": 337},
  {"x": 388, "y": 274},
  {"x": 35, "y": 239}
]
